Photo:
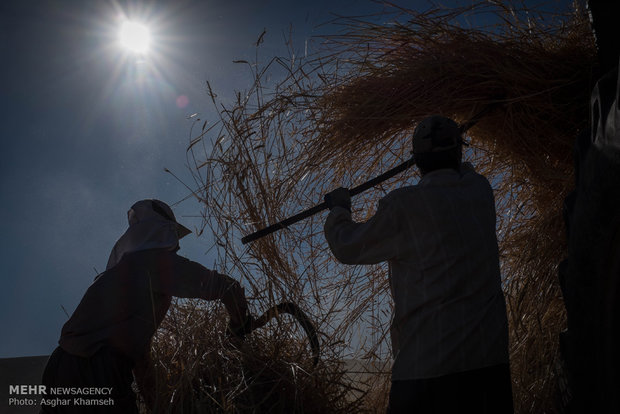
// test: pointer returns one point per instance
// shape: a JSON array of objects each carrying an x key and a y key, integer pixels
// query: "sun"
[{"x": 135, "y": 37}]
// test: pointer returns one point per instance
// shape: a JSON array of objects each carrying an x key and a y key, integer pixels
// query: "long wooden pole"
[
  {"x": 360, "y": 188},
  {"x": 320, "y": 207}
]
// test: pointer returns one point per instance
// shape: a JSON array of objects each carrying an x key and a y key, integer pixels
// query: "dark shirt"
[{"x": 123, "y": 308}]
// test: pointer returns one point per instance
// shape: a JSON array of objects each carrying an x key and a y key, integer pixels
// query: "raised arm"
[{"x": 371, "y": 242}]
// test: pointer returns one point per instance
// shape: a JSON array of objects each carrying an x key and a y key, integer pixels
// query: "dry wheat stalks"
[{"x": 346, "y": 113}]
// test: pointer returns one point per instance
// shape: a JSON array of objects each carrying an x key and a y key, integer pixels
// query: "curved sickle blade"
[{"x": 305, "y": 322}]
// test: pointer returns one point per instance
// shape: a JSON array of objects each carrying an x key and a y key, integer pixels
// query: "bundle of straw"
[
  {"x": 347, "y": 113},
  {"x": 197, "y": 368}
]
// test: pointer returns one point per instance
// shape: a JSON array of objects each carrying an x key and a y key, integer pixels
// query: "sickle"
[{"x": 293, "y": 310}]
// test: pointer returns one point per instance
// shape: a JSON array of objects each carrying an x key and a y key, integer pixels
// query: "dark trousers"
[
  {"x": 78, "y": 376},
  {"x": 481, "y": 391}
]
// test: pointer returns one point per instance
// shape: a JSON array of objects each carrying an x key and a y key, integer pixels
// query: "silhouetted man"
[
  {"x": 111, "y": 329},
  {"x": 449, "y": 329}
]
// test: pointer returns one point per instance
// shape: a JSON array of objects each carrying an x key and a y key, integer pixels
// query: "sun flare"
[{"x": 135, "y": 37}]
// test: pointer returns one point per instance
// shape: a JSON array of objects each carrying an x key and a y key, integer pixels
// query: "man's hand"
[
  {"x": 240, "y": 328},
  {"x": 339, "y": 197},
  {"x": 240, "y": 322}
]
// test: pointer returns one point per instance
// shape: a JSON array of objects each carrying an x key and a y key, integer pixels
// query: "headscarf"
[{"x": 152, "y": 225}]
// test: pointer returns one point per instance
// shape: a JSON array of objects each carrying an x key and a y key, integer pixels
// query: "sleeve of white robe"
[{"x": 373, "y": 241}]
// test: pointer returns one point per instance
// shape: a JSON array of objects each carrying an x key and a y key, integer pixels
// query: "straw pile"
[
  {"x": 346, "y": 113},
  {"x": 197, "y": 368}
]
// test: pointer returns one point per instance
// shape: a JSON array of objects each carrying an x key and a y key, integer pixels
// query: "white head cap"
[
  {"x": 152, "y": 225},
  {"x": 145, "y": 210}
]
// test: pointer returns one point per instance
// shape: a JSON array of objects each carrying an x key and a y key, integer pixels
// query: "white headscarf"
[{"x": 152, "y": 225}]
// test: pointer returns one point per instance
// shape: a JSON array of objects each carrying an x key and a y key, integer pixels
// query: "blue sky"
[{"x": 87, "y": 131}]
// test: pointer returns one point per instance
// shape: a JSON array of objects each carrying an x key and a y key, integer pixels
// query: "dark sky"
[{"x": 87, "y": 130}]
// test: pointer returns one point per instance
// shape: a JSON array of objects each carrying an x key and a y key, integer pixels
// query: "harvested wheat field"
[{"x": 340, "y": 116}]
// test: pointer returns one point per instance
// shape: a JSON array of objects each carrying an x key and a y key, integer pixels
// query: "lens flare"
[{"x": 135, "y": 37}]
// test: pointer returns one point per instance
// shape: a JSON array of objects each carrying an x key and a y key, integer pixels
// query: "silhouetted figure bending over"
[{"x": 111, "y": 329}]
